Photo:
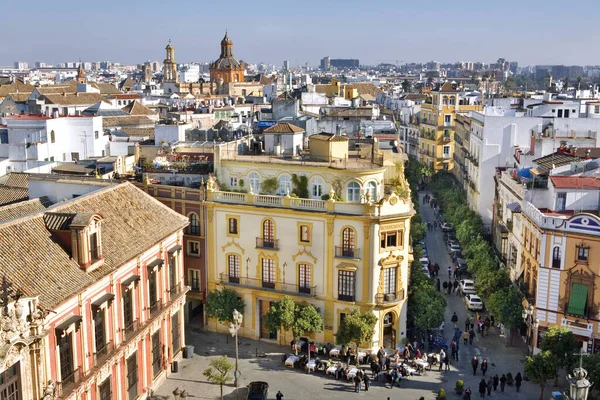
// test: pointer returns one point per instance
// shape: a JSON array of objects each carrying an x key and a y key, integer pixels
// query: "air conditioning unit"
[{"x": 390, "y": 297}]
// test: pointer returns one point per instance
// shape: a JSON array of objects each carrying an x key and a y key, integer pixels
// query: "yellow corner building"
[{"x": 345, "y": 245}]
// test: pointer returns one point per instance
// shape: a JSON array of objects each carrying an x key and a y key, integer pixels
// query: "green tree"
[
  {"x": 540, "y": 368},
  {"x": 505, "y": 305},
  {"x": 308, "y": 320},
  {"x": 221, "y": 304},
  {"x": 591, "y": 363},
  {"x": 357, "y": 328},
  {"x": 269, "y": 185},
  {"x": 300, "y": 183},
  {"x": 560, "y": 341},
  {"x": 218, "y": 372},
  {"x": 406, "y": 86},
  {"x": 490, "y": 280},
  {"x": 281, "y": 315}
]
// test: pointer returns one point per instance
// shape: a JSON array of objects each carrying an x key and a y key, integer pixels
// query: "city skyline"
[{"x": 382, "y": 33}]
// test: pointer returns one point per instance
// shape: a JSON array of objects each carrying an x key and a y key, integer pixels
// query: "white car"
[
  {"x": 424, "y": 262},
  {"x": 473, "y": 302},
  {"x": 454, "y": 246},
  {"x": 466, "y": 286}
]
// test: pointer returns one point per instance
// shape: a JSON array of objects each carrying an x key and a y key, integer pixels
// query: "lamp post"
[
  {"x": 528, "y": 319},
  {"x": 579, "y": 385},
  {"x": 234, "y": 327}
]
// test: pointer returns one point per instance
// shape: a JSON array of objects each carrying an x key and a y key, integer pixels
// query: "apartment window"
[
  {"x": 128, "y": 310},
  {"x": 96, "y": 135},
  {"x": 556, "y": 257},
  {"x": 99, "y": 332},
  {"x": 582, "y": 253},
  {"x": 346, "y": 285},
  {"x": 446, "y": 150},
  {"x": 193, "y": 248},
  {"x": 348, "y": 242},
  {"x": 268, "y": 233},
  {"x": 156, "y": 354},
  {"x": 65, "y": 351},
  {"x": 596, "y": 109},
  {"x": 445, "y": 100},
  {"x": 105, "y": 390},
  {"x": 173, "y": 274},
  {"x": 353, "y": 192},
  {"x": 452, "y": 100},
  {"x": 132, "y": 377},
  {"x": 233, "y": 182},
  {"x": 152, "y": 298},
  {"x": 317, "y": 188},
  {"x": 372, "y": 190},
  {"x": 94, "y": 253},
  {"x": 195, "y": 280},
  {"x": 389, "y": 281},
  {"x": 233, "y": 266},
  {"x": 255, "y": 182},
  {"x": 74, "y": 157},
  {"x": 305, "y": 233},
  {"x": 268, "y": 273},
  {"x": 304, "y": 278},
  {"x": 10, "y": 383},
  {"x": 566, "y": 113},
  {"x": 52, "y": 137},
  {"x": 561, "y": 201},
  {"x": 175, "y": 333},
  {"x": 391, "y": 239},
  {"x": 233, "y": 226},
  {"x": 578, "y": 300},
  {"x": 560, "y": 113},
  {"x": 285, "y": 185},
  {"x": 194, "y": 226},
  {"x": 447, "y": 119}
]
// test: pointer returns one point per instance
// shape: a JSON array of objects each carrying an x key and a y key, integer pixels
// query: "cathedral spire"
[{"x": 81, "y": 74}]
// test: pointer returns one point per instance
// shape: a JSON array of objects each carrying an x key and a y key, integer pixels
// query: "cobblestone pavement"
[{"x": 261, "y": 360}]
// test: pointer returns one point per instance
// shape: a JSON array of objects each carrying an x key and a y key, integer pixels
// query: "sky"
[{"x": 374, "y": 31}]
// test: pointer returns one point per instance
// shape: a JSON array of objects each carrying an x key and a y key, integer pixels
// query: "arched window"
[
  {"x": 317, "y": 188},
  {"x": 452, "y": 100},
  {"x": 348, "y": 242},
  {"x": 556, "y": 257},
  {"x": 285, "y": 184},
  {"x": 372, "y": 190},
  {"x": 304, "y": 278},
  {"x": 194, "y": 226},
  {"x": 445, "y": 100},
  {"x": 268, "y": 234},
  {"x": 255, "y": 182},
  {"x": 353, "y": 192}
]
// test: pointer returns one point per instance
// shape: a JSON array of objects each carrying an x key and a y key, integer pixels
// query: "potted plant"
[
  {"x": 459, "y": 387},
  {"x": 509, "y": 379},
  {"x": 441, "y": 395}
]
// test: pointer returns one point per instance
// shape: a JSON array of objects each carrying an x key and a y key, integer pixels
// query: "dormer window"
[{"x": 94, "y": 247}]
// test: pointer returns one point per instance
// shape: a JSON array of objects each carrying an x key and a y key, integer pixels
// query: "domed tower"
[
  {"x": 227, "y": 67},
  {"x": 170, "y": 65}
]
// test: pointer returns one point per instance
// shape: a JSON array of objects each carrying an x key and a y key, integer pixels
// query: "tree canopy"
[
  {"x": 221, "y": 304},
  {"x": 505, "y": 304},
  {"x": 286, "y": 314},
  {"x": 559, "y": 341},
  {"x": 541, "y": 368},
  {"x": 358, "y": 327},
  {"x": 218, "y": 372}
]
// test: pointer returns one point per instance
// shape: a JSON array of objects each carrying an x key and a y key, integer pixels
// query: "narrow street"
[{"x": 501, "y": 359}]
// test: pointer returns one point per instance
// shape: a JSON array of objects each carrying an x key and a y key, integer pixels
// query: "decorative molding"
[
  {"x": 330, "y": 227},
  {"x": 210, "y": 213},
  {"x": 390, "y": 259},
  {"x": 232, "y": 243},
  {"x": 306, "y": 253}
]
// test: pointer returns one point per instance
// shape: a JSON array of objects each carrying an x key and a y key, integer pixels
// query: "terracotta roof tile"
[
  {"x": 136, "y": 121},
  {"x": 18, "y": 179},
  {"x": 330, "y": 137},
  {"x": 23, "y": 208},
  {"x": 137, "y": 108},
  {"x": 16, "y": 87},
  {"x": 34, "y": 261},
  {"x": 283, "y": 127},
  {"x": 575, "y": 182},
  {"x": 10, "y": 195},
  {"x": 73, "y": 99}
]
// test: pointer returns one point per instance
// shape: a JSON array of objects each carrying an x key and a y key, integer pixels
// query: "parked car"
[
  {"x": 461, "y": 264},
  {"x": 466, "y": 286},
  {"x": 453, "y": 246},
  {"x": 450, "y": 236},
  {"x": 258, "y": 390},
  {"x": 426, "y": 272},
  {"x": 456, "y": 254},
  {"x": 473, "y": 302},
  {"x": 424, "y": 262},
  {"x": 425, "y": 253},
  {"x": 446, "y": 227}
]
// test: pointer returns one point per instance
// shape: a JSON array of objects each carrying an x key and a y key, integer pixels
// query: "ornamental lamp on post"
[
  {"x": 579, "y": 385},
  {"x": 234, "y": 327}
]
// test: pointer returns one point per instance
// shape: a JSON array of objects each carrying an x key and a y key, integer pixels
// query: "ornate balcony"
[
  {"x": 350, "y": 252},
  {"x": 382, "y": 299},
  {"x": 269, "y": 243}
]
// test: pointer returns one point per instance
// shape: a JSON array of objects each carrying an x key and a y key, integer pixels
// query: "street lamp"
[
  {"x": 527, "y": 315},
  {"x": 579, "y": 385},
  {"x": 234, "y": 327}
]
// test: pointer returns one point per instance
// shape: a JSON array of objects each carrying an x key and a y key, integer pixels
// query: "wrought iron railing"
[
  {"x": 68, "y": 382},
  {"x": 389, "y": 298},
  {"x": 347, "y": 252},
  {"x": 268, "y": 243},
  {"x": 103, "y": 353},
  {"x": 277, "y": 286}
]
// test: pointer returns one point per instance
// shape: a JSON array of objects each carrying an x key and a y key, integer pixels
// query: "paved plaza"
[{"x": 261, "y": 360}]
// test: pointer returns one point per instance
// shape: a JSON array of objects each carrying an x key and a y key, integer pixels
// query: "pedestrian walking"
[
  {"x": 518, "y": 380},
  {"x": 449, "y": 287},
  {"x": 482, "y": 330},
  {"x": 490, "y": 385},
  {"x": 357, "y": 383},
  {"x": 279, "y": 395},
  {"x": 465, "y": 337},
  {"x": 482, "y": 388},
  {"x": 484, "y": 367},
  {"x": 442, "y": 359},
  {"x": 455, "y": 284},
  {"x": 502, "y": 382},
  {"x": 471, "y": 335},
  {"x": 437, "y": 284},
  {"x": 447, "y": 362},
  {"x": 449, "y": 272},
  {"x": 367, "y": 381},
  {"x": 474, "y": 364},
  {"x": 495, "y": 382},
  {"x": 454, "y": 319},
  {"x": 466, "y": 396}
]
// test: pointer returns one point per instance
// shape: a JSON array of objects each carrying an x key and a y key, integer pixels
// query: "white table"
[
  {"x": 291, "y": 360},
  {"x": 299, "y": 344},
  {"x": 352, "y": 373},
  {"x": 335, "y": 352},
  {"x": 361, "y": 356},
  {"x": 423, "y": 364},
  {"x": 331, "y": 370},
  {"x": 411, "y": 371},
  {"x": 311, "y": 366}
]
